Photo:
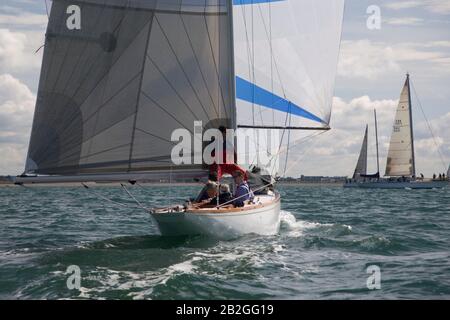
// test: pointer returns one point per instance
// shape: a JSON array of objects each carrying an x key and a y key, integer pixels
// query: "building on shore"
[{"x": 313, "y": 179}]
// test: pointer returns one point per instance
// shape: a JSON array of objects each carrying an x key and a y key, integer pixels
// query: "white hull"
[
  {"x": 398, "y": 185},
  {"x": 262, "y": 219}
]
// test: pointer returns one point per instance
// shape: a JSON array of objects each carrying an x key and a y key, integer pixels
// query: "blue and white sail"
[
  {"x": 286, "y": 54},
  {"x": 285, "y": 57}
]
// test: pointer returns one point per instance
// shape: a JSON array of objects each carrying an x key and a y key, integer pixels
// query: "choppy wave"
[
  {"x": 328, "y": 238},
  {"x": 296, "y": 228}
]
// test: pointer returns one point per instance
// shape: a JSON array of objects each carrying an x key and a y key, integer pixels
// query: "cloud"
[
  {"x": 398, "y": 5},
  {"x": 371, "y": 60},
  {"x": 433, "y": 6},
  {"x": 12, "y": 17},
  {"x": 405, "y": 21},
  {"x": 24, "y": 20},
  {"x": 435, "y": 136},
  {"x": 16, "y": 112},
  {"x": 365, "y": 59},
  {"x": 17, "y": 52}
]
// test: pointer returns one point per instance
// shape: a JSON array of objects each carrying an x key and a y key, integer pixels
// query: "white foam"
[
  {"x": 184, "y": 267},
  {"x": 290, "y": 223},
  {"x": 296, "y": 228},
  {"x": 112, "y": 280}
]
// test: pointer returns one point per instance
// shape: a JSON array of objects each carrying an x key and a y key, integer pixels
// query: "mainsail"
[
  {"x": 400, "y": 160},
  {"x": 361, "y": 166},
  {"x": 112, "y": 92}
]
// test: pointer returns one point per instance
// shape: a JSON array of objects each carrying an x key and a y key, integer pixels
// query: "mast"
[
  {"x": 233, "y": 76},
  {"x": 376, "y": 137},
  {"x": 413, "y": 164}
]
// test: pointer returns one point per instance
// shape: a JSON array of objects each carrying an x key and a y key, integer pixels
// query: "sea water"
[{"x": 334, "y": 243}]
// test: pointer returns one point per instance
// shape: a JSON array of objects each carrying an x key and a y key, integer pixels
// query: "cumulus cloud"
[
  {"x": 434, "y": 6},
  {"x": 23, "y": 20},
  {"x": 370, "y": 60},
  {"x": 16, "y": 112},
  {"x": 405, "y": 21},
  {"x": 365, "y": 59},
  {"x": 434, "y": 136},
  {"x": 17, "y": 52}
]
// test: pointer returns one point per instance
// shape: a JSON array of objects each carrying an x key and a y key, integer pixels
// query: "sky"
[{"x": 414, "y": 37}]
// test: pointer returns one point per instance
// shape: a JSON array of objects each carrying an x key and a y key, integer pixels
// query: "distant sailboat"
[
  {"x": 114, "y": 88},
  {"x": 401, "y": 163},
  {"x": 361, "y": 166}
]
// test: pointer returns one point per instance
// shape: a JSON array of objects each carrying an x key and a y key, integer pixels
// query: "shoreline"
[{"x": 162, "y": 184}]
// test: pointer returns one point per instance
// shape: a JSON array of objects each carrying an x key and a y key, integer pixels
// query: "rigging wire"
[
  {"x": 298, "y": 143},
  {"x": 429, "y": 127},
  {"x": 251, "y": 68},
  {"x": 244, "y": 195},
  {"x": 109, "y": 200},
  {"x": 48, "y": 19},
  {"x": 133, "y": 197},
  {"x": 306, "y": 150},
  {"x": 288, "y": 143},
  {"x": 46, "y": 10}
]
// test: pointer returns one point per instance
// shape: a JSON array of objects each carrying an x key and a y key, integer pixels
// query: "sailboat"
[
  {"x": 401, "y": 163},
  {"x": 360, "y": 172},
  {"x": 119, "y": 77}
]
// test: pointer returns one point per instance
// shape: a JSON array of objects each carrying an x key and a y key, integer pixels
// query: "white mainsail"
[
  {"x": 361, "y": 166},
  {"x": 400, "y": 160}
]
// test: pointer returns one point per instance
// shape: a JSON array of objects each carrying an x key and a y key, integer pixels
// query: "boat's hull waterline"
[
  {"x": 414, "y": 185},
  {"x": 261, "y": 219}
]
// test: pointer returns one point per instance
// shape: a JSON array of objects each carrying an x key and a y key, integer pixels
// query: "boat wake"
[{"x": 292, "y": 227}]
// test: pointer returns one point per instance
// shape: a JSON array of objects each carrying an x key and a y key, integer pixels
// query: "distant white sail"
[
  {"x": 400, "y": 161},
  {"x": 361, "y": 166}
]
